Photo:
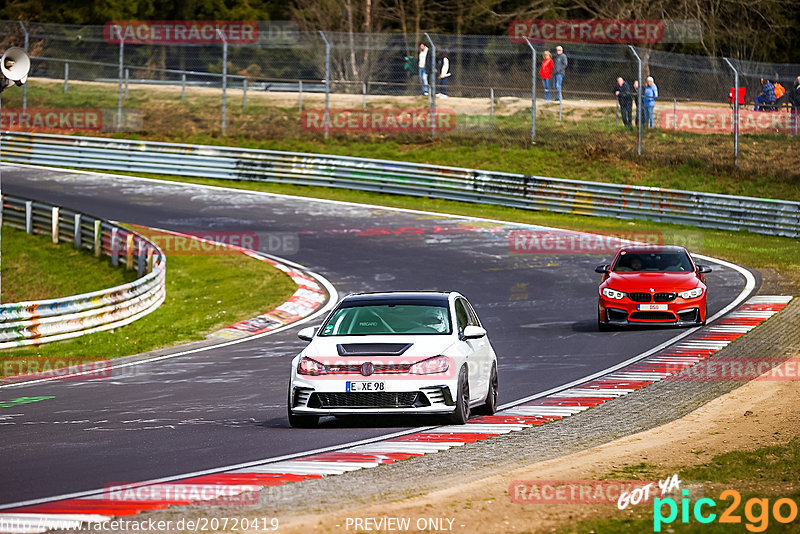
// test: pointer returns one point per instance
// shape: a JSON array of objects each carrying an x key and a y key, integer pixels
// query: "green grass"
[
  {"x": 587, "y": 145},
  {"x": 204, "y": 293},
  {"x": 765, "y": 473},
  {"x": 33, "y": 268}
]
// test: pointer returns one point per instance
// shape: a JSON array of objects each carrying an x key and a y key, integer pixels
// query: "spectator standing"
[
  {"x": 422, "y": 64},
  {"x": 767, "y": 96},
  {"x": 559, "y": 69},
  {"x": 623, "y": 93},
  {"x": 649, "y": 101},
  {"x": 443, "y": 69},
  {"x": 794, "y": 99},
  {"x": 546, "y": 72}
]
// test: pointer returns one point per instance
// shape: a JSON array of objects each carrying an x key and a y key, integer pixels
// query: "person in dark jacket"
[
  {"x": 559, "y": 69},
  {"x": 623, "y": 93},
  {"x": 794, "y": 99},
  {"x": 766, "y": 100}
]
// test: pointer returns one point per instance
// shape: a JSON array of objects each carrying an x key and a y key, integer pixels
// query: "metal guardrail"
[
  {"x": 764, "y": 216},
  {"x": 43, "y": 321}
]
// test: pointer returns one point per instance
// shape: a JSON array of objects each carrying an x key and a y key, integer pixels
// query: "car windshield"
[
  {"x": 388, "y": 319},
  {"x": 653, "y": 261}
]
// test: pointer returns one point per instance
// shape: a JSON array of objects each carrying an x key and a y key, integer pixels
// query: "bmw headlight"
[
  {"x": 613, "y": 293},
  {"x": 691, "y": 294}
]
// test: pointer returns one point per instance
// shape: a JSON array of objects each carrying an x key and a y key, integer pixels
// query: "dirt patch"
[{"x": 755, "y": 415}]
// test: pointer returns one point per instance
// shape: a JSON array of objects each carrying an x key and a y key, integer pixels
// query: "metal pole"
[
  {"x": 327, "y": 82},
  {"x": 675, "y": 113},
  {"x": 300, "y": 95},
  {"x": 639, "y": 110},
  {"x": 491, "y": 101},
  {"x": 66, "y": 76},
  {"x": 244, "y": 94},
  {"x": 432, "y": 82},
  {"x": 127, "y": 75},
  {"x": 183, "y": 87},
  {"x": 25, "y": 86},
  {"x": 363, "y": 95},
  {"x": 1, "y": 197},
  {"x": 735, "y": 112},
  {"x": 224, "y": 79},
  {"x": 119, "y": 90},
  {"x": 533, "y": 90}
]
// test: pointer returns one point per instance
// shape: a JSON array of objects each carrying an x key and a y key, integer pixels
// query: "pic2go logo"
[{"x": 756, "y": 511}]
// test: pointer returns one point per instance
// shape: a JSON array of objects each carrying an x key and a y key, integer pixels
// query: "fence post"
[
  {"x": 224, "y": 79},
  {"x": 639, "y": 109},
  {"x": 98, "y": 238},
  {"x": 299, "y": 95},
  {"x": 127, "y": 75},
  {"x": 54, "y": 224},
  {"x": 114, "y": 248},
  {"x": 675, "y": 113},
  {"x": 76, "y": 232},
  {"x": 735, "y": 112},
  {"x": 140, "y": 265},
  {"x": 129, "y": 252},
  {"x": 327, "y": 82},
  {"x": 363, "y": 95},
  {"x": 432, "y": 85},
  {"x": 119, "y": 90},
  {"x": 28, "y": 217},
  {"x": 244, "y": 94},
  {"x": 491, "y": 102},
  {"x": 66, "y": 76},
  {"x": 533, "y": 90},
  {"x": 25, "y": 86},
  {"x": 183, "y": 87}
]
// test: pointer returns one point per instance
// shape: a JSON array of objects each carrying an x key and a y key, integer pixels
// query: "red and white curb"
[{"x": 98, "y": 508}]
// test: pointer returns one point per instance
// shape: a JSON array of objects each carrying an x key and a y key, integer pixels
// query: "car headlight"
[
  {"x": 691, "y": 294},
  {"x": 437, "y": 364},
  {"x": 307, "y": 366},
  {"x": 613, "y": 293}
]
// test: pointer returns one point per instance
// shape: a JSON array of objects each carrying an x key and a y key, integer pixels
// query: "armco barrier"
[
  {"x": 765, "y": 216},
  {"x": 42, "y": 321}
]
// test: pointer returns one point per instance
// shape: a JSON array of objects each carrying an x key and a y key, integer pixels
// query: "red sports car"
[{"x": 648, "y": 284}]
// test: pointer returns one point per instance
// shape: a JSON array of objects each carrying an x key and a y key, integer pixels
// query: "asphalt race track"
[{"x": 227, "y": 406}]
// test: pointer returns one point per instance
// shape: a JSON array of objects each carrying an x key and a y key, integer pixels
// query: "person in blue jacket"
[
  {"x": 649, "y": 101},
  {"x": 767, "y": 96}
]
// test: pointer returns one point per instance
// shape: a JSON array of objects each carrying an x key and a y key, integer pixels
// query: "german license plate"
[
  {"x": 365, "y": 386},
  {"x": 652, "y": 307}
]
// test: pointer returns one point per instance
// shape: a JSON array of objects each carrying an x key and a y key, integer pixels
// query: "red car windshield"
[{"x": 653, "y": 261}]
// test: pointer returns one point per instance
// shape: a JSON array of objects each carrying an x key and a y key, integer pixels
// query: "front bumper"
[
  {"x": 330, "y": 397},
  {"x": 679, "y": 312}
]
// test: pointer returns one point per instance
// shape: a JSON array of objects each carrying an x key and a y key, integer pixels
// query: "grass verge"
[
  {"x": 587, "y": 145},
  {"x": 204, "y": 293}
]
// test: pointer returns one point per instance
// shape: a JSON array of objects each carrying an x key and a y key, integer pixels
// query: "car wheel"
[
  {"x": 299, "y": 421},
  {"x": 603, "y": 327},
  {"x": 461, "y": 414},
  {"x": 489, "y": 407}
]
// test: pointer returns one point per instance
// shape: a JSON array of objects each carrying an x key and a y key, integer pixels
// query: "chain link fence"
[{"x": 293, "y": 84}]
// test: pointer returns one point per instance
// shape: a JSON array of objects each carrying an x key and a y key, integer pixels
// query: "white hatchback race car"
[{"x": 395, "y": 353}]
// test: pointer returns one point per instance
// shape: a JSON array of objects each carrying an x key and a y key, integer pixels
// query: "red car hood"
[{"x": 657, "y": 281}]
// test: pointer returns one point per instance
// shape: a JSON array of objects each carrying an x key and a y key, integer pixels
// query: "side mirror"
[
  {"x": 703, "y": 269},
  {"x": 602, "y": 269},
  {"x": 473, "y": 332},
  {"x": 307, "y": 333}
]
